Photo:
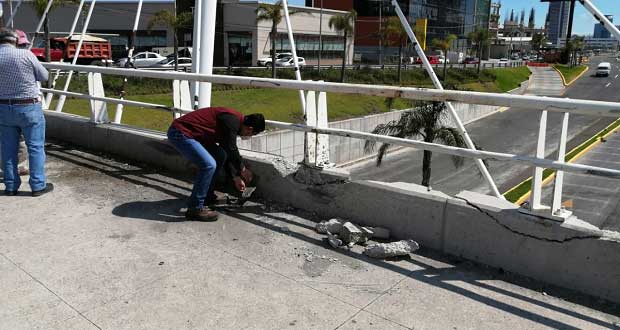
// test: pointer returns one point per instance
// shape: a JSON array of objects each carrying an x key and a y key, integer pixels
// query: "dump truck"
[{"x": 94, "y": 50}]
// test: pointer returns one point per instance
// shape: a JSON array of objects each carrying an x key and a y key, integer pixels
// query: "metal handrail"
[{"x": 574, "y": 106}]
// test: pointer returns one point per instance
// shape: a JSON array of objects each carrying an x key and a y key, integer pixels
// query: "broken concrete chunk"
[
  {"x": 380, "y": 233},
  {"x": 334, "y": 241},
  {"x": 331, "y": 226},
  {"x": 394, "y": 249},
  {"x": 367, "y": 233},
  {"x": 350, "y": 233}
]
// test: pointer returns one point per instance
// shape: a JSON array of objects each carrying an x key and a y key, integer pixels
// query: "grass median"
[{"x": 570, "y": 73}]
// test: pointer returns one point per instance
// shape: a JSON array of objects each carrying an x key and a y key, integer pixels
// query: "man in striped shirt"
[{"x": 21, "y": 113}]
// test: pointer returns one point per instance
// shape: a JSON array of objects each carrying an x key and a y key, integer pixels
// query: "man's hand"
[
  {"x": 247, "y": 175},
  {"x": 239, "y": 184}
]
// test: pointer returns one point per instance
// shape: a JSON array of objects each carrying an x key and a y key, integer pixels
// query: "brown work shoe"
[
  {"x": 203, "y": 214},
  {"x": 23, "y": 171}
]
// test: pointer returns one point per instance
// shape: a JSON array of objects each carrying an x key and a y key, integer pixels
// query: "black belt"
[{"x": 20, "y": 101}]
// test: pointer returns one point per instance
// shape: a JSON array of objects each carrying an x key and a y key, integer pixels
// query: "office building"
[
  {"x": 600, "y": 32},
  {"x": 557, "y": 22}
]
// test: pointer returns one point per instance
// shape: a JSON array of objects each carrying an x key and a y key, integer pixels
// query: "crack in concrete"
[{"x": 525, "y": 234}]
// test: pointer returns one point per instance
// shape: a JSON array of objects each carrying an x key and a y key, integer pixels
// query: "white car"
[
  {"x": 168, "y": 62},
  {"x": 266, "y": 61},
  {"x": 442, "y": 59},
  {"x": 503, "y": 60},
  {"x": 142, "y": 59},
  {"x": 603, "y": 69},
  {"x": 289, "y": 62}
]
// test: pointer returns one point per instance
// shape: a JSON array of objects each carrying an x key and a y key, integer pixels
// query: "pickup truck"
[{"x": 94, "y": 50}]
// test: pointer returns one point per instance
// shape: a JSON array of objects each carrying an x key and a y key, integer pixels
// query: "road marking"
[
  {"x": 597, "y": 188},
  {"x": 616, "y": 77},
  {"x": 607, "y": 85}
]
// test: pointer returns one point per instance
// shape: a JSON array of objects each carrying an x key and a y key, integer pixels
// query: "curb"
[
  {"x": 545, "y": 181},
  {"x": 572, "y": 81}
]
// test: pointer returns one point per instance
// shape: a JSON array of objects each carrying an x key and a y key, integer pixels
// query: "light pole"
[{"x": 320, "y": 35}]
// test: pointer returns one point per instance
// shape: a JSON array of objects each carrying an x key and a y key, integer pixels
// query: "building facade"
[
  {"x": 600, "y": 32},
  {"x": 557, "y": 22},
  {"x": 110, "y": 20},
  {"x": 459, "y": 17},
  {"x": 245, "y": 40}
]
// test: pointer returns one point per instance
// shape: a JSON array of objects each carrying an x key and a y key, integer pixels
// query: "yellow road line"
[
  {"x": 572, "y": 160},
  {"x": 572, "y": 81}
]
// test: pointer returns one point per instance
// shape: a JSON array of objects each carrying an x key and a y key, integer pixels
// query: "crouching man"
[{"x": 208, "y": 138}]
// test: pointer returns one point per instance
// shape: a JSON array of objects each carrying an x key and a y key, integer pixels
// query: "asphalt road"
[{"x": 513, "y": 131}]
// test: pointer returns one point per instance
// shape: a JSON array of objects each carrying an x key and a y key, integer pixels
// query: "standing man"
[
  {"x": 21, "y": 113},
  {"x": 208, "y": 138}
]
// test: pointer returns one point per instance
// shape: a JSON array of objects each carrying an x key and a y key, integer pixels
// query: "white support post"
[
  {"x": 556, "y": 207},
  {"x": 207, "y": 47},
  {"x": 118, "y": 115},
  {"x": 50, "y": 96},
  {"x": 195, "y": 86},
  {"x": 291, "y": 40},
  {"x": 535, "y": 198},
  {"x": 459, "y": 124},
  {"x": 13, "y": 13},
  {"x": 601, "y": 18},
  {"x": 62, "y": 98}
]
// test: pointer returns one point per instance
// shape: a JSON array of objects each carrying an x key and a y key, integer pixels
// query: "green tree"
[
  {"x": 577, "y": 45},
  {"x": 174, "y": 22},
  {"x": 538, "y": 41},
  {"x": 396, "y": 31},
  {"x": 39, "y": 8},
  {"x": 345, "y": 24},
  {"x": 274, "y": 14},
  {"x": 426, "y": 121},
  {"x": 445, "y": 45},
  {"x": 480, "y": 39}
]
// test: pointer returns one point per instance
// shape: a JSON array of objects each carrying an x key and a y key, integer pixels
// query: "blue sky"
[{"x": 583, "y": 22}]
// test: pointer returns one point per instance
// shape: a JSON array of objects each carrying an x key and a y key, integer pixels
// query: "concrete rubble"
[
  {"x": 394, "y": 249},
  {"x": 347, "y": 234}
]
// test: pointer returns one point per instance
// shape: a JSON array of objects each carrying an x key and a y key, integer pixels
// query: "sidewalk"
[
  {"x": 103, "y": 251},
  {"x": 545, "y": 81}
]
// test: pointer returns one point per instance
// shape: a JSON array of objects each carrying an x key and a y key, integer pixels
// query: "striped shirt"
[{"x": 19, "y": 72}]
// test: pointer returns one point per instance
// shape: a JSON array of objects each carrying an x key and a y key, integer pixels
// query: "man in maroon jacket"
[{"x": 208, "y": 138}]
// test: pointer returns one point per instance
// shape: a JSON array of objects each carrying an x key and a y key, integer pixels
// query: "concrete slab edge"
[{"x": 472, "y": 226}]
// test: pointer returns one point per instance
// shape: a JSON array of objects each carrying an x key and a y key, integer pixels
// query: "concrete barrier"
[{"x": 477, "y": 227}]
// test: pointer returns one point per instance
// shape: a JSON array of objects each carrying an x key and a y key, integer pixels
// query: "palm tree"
[
  {"x": 272, "y": 13},
  {"x": 345, "y": 24},
  {"x": 577, "y": 43},
  {"x": 395, "y": 29},
  {"x": 426, "y": 121},
  {"x": 445, "y": 45},
  {"x": 538, "y": 41},
  {"x": 175, "y": 23},
  {"x": 480, "y": 38},
  {"x": 39, "y": 8}
]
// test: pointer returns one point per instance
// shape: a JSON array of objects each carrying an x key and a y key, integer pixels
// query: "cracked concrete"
[{"x": 571, "y": 255}]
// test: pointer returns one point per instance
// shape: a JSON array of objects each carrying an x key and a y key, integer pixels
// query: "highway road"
[{"x": 513, "y": 130}]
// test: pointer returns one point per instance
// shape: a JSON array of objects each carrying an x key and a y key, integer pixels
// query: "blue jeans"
[
  {"x": 208, "y": 159},
  {"x": 26, "y": 119}
]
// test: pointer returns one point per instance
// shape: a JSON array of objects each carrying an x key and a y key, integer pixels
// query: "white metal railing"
[
  {"x": 573, "y": 106},
  {"x": 608, "y": 109}
]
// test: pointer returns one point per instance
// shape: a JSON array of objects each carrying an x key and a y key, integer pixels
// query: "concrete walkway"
[
  {"x": 105, "y": 251},
  {"x": 545, "y": 81}
]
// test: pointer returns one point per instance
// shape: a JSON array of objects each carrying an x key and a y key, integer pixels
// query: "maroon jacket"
[{"x": 215, "y": 125}]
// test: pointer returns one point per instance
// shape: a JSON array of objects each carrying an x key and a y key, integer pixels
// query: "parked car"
[
  {"x": 525, "y": 58},
  {"x": 143, "y": 59},
  {"x": 168, "y": 62},
  {"x": 442, "y": 59},
  {"x": 432, "y": 59},
  {"x": 266, "y": 61},
  {"x": 94, "y": 50},
  {"x": 503, "y": 60},
  {"x": 603, "y": 69},
  {"x": 514, "y": 57},
  {"x": 618, "y": 59},
  {"x": 471, "y": 60},
  {"x": 289, "y": 62}
]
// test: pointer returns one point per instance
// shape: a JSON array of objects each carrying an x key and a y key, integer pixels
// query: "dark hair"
[
  {"x": 256, "y": 121},
  {"x": 8, "y": 36}
]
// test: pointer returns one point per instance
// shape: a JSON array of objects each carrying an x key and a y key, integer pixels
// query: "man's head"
[
  {"x": 8, "y": 36},
  {"x": 252, "y": 125}
]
